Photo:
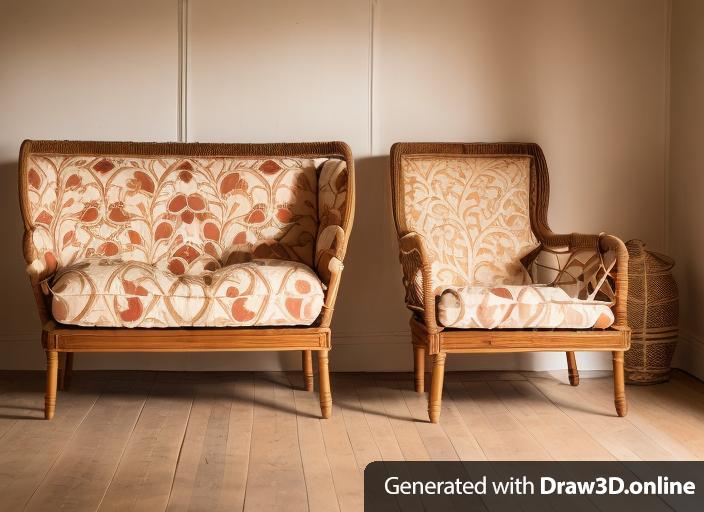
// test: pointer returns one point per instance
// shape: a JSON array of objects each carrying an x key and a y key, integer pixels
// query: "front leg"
[
  {"x": 324, "y": 384},
  {"x": 619, "y": 385},
  {"x": 52, "y": 369},
  {"x": 436, "y": 382}
]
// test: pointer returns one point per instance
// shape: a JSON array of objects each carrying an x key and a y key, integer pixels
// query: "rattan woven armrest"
[{"x": 415, "y": 261}]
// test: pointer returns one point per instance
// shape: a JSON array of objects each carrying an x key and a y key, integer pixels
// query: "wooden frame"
[
  {"x": 67, "y": 340},
  {"x": 430, "y": 339}
]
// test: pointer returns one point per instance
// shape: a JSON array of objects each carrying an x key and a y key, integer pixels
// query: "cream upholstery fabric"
[
  {"x": 473, "y": 213},
  {"x": 115, "y": 293},
  {"x": 176, "y": 241},
  {"x": 520, "y": 307},
  {"x": 186, "y": 215},
  {"x": 332, "y": 203}
]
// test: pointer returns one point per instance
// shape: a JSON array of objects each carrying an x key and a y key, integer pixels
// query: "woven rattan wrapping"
[{"x": 653, "y": 314}]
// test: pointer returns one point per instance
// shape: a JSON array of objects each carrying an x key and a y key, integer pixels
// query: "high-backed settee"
[{"x": 185, "y": 247}]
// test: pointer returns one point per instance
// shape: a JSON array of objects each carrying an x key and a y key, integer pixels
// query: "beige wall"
[
  {"x": 584, "y": 78},
  {"x": 75, "y": 69},
  {"x": 687, "y": 176}
]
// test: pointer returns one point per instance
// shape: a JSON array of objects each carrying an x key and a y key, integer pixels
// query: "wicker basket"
[{"x": 653, "y": 314}]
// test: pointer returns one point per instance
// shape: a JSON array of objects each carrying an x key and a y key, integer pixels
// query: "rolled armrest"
[
  {"x": 39, "y": 255},
  {"x": 417, "y": 277}
]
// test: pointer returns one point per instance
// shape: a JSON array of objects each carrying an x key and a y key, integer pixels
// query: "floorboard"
[
  {"x": 146, "y": 471},
  {"x": 144, "y": 441},
  {"x": 80, "y": 477},
  {"x": 31, "y": 446}
]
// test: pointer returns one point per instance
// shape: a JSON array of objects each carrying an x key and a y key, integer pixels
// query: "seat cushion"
[
  {"x": 520, "y": 307},
  {"x": 114, "y": 293}
]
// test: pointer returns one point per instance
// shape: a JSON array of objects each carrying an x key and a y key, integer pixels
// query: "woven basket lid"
[{"x": 653, "y": 261}]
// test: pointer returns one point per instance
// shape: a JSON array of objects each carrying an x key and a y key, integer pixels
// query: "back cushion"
[
  {"x": 182, "y": 214},
  {"x": 473, "y": 213}
]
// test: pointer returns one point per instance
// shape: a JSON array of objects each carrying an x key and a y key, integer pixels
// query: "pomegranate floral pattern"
[
  {"x": 113, "y": 293},
  {"x": 473, "y": 215},
  {"x": 520, "y": 307},
  {"x": 179, "y": 223}
]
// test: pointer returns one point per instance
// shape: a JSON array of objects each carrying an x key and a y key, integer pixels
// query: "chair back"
[
  {"x": 477, "y": 206},
  {"x": 185, "y": 208}
]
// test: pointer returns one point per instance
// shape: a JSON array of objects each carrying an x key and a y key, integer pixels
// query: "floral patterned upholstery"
[
  {"x": 178, "y": 223},
  {"x": 472, "y": 212},
  {"x": 469, "y": 217},
  {"x": 332, "y": 205},
  {"x": 519, "y": 307},
  {"x": 115, "y": 293}
]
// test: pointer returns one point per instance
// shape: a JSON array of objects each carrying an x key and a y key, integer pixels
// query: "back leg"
[{"x": 572, "y": 369}]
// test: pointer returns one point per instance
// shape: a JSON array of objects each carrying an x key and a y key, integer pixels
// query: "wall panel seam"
[
  {"x": 370, "y": 71},
  {"x": 182, "y": 128}
]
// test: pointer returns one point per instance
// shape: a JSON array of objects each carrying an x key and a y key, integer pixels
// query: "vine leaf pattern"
[
  {"x": 142, "y": 241},
  {"x": 473, "y": 213}
]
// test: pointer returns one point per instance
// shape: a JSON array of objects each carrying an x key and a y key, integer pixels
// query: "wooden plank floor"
[{"x": 150, "y": 441}]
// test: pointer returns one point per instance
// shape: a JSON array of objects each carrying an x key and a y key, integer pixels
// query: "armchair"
[
  {"x": 159, "y": 247},
  {"x": 484, "y": 273}
]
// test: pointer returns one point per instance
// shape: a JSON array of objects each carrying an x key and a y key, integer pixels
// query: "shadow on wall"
[
  {"x": 370, "y": 306},
  {"x": 17, "y": 308}
]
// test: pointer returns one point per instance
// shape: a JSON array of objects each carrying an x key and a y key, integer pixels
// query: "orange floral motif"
[
  {"x": 104, "y": 166},
  {"x": 170, "y": 241},
  {"x": 110, "y": 293}
]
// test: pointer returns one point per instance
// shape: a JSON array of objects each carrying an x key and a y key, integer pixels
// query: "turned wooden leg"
[
  {"x": 419, "y": 367},
  {"x": 52, "y": 368},
  {"x": 65, "y": 369},
  {"x": 68, "y": 370},
  {"x": 61, "y": 379},
  {"x": 619, "y": 385},
  {"x": 572, "y": 370},
  {"x": 308, "y": 369},
  {"x": 435, "y": 398},
  {"x": 324, "y": 384}
]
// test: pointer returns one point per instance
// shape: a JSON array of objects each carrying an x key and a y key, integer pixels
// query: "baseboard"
[{"x": 373, "y": 352}]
